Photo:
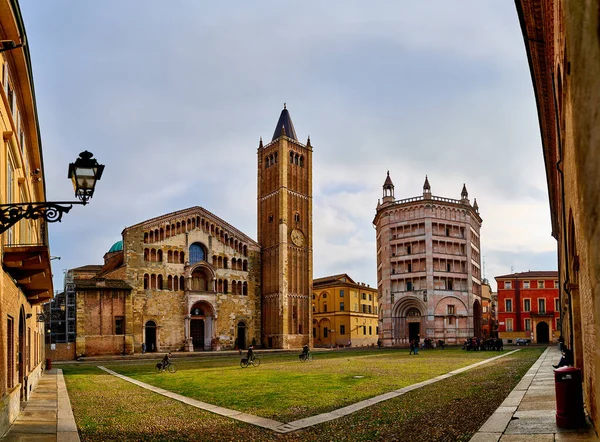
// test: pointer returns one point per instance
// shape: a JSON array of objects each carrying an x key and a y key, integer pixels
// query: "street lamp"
[{"x": 84, "y": 173}]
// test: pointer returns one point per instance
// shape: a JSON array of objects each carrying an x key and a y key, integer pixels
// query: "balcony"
[{"x": 29, "y": 266}]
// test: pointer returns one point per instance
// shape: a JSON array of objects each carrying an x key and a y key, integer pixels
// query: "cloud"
[{"x": 174, "y": 100}]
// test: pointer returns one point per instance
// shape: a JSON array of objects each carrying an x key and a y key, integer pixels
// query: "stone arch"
[
  {"x": 150, "y": 336},
  {"x": 477, "y": 318},
  {"x": 201, "y": 276},
  {"x": 201, "y": 318},
  {"x": 408, "y": 319},
  {"x": 542, "y": 332}
]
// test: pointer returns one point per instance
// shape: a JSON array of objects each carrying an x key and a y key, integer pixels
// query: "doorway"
[
  {"x": 414, "y": 330},
  {"x": 197, "y": 333},
  {"x": 150, "y": 340},
  {"x": 241, "y": 332},
  {"x": 21, "y": 354},
  {"x": 543, "y": 333}
]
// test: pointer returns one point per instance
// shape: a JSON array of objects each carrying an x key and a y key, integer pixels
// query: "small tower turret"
[
  {"x": 475, "y": 206},
  {"x": 388, "y": 190},
  {"x": 426, "y": 188},
  {"x": 464, "y": 195}
]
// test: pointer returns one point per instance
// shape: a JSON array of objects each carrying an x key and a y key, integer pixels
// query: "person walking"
[
  {"x": 412, "y": 347},
  {"x": 379, "y": 343}
]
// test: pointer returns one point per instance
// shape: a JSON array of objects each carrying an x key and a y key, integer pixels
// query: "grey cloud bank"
[{"x": 173, "y": 98}]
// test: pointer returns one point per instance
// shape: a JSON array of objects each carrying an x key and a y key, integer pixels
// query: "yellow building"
[
  {"x": 344, "y": 312},
  {"x": 26, "y": 276}
]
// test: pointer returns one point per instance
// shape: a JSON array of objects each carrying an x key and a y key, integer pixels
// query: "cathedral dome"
[{"x": 116, "y": 247}]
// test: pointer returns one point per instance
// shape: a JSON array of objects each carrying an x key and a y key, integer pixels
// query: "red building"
[{"x": 528, "y": 307}]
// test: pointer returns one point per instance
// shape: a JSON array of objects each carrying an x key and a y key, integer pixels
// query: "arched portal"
[
  {"x": 241, "y": 335},
  {"x": 150, "y": 336},
  {"x": 408, "y": 320},
  {"x": 477, "y": 319},
  {"x": 542, "y": 332},
  {"x": 201, "y": 326}
]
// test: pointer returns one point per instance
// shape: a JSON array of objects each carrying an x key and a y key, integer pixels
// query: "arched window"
[
  {"x": 160, "y": 255},
  {"x": 160, "y": 282},
  {"x": 146, "y": 281},
  {"x": 196, "y": 253},
  {"x": 181, "y": 283},
  {"x": 146, "y": 253},
  {"x": 245, "y": 289},
  {"x": 245, "y": 268},
  {"x": 301, "y": 160},
  {"x": 169, "y": 282}
]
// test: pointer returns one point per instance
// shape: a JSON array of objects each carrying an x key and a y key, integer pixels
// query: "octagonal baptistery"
[
  {"x": 196, "y": 282},
  {"x": 428, "y": 267}
]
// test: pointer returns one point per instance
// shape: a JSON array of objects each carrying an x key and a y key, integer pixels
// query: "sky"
[{"x": 173, "y": 98}]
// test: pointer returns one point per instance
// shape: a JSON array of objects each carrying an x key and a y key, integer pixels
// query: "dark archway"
[
  {"x": 22, "y": 353},
  {"x": 241, "y": 333},
  {"x": 477, "y": 319},
  {"x": 542, "y": 332},
  {"x": 150, "y": 339}
]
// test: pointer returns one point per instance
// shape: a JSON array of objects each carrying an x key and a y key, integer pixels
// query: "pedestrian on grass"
[{"x": 379, "y": 343}]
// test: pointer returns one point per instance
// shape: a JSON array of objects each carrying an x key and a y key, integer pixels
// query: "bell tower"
[{"x": 285, "y": 236}]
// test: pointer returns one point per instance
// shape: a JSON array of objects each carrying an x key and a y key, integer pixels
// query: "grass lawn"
[
  {"x": 107, "y": 408},
  {"x": 285, "y": 389}
]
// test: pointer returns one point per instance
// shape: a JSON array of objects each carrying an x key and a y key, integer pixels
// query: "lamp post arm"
[{"x": 52, "y": 212}]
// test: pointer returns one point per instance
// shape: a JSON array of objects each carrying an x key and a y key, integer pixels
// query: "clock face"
[{"x": 297, "y": 237}]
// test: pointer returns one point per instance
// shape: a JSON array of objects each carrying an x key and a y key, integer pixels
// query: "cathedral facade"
[
  {"x": 190, "y": 281},
  {"x": 428, "y": 267}
]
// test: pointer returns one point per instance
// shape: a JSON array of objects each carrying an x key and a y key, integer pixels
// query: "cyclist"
[
  {"x": 250, "y": 355},
  {"x": 305, "y": 352},
  {"x": 166, "y": 361}
]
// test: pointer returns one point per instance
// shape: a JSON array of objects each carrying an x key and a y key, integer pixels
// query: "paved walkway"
[
  {"x": 528, "y": 414},
  {"x": 281, "y": 427},
  {"x": 48, "y": 415}
]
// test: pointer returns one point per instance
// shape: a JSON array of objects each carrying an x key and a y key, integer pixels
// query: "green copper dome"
[{"x": 117, "y": 247}]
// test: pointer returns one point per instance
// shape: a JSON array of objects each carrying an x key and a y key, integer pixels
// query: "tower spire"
[
  {"x": 426, "y": 188},
  {"x": 464, "y": 195},
  {"x": 388, "y": 189},
  {"x": 284, "y": 126}
]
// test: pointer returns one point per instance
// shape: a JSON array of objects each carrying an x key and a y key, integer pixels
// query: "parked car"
[{"x": 522, "y": 341}]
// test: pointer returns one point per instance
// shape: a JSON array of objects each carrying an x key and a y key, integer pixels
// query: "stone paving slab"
[
  {"x": 38, "y": 415},
  {"x": 17, "y": 437},
  {"x": 486, "y": 437},
  {"x": 528, "y": 438}
]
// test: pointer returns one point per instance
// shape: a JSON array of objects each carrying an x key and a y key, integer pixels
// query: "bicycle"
[
  {"x": 255, "y": 362},
  {"x": 305, "y": 357},
  {"x": 172, "y": 368}
]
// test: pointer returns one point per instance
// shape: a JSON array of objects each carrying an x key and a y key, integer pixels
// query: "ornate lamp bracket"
[{"x": 10, "y": 214}]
